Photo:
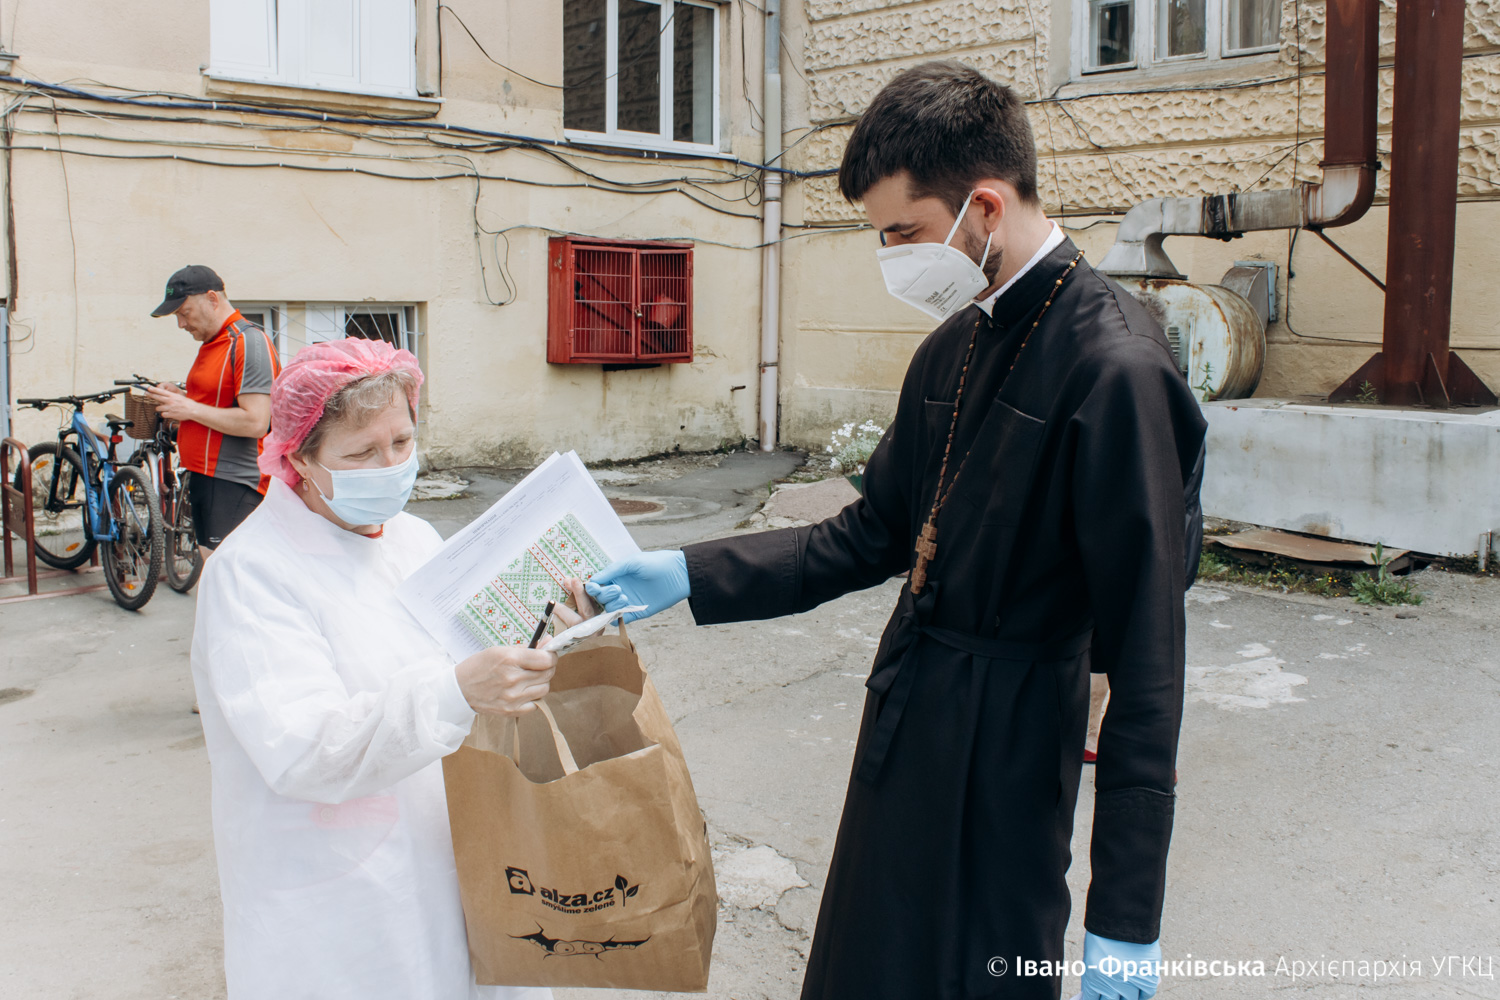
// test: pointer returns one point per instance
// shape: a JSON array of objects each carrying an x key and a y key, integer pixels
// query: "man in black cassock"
[{"x": 1038, "y": 484}]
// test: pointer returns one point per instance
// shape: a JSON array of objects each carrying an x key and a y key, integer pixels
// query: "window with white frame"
[
  {"x": 396, "y": 325},
  {"x": 1144, "y": 34},
  {"x": 642, "y": 72},
  {"x": 361, "y": 46},
  {"x": 293, "y": 326},
  {"x": 270, "y": 318}
]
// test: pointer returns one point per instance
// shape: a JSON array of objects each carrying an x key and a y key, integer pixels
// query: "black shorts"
[{"x": 219, "y": 505}]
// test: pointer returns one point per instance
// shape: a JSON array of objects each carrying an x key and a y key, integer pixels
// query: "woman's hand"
[
  {"x": 506, "y": 680},
  {"x": 586, "y": 608}
]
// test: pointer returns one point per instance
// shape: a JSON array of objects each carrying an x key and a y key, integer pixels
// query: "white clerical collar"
[{"x": 1051, "y": 243}]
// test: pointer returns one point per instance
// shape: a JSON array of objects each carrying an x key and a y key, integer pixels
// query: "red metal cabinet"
[{"x": 619, "y": 301}]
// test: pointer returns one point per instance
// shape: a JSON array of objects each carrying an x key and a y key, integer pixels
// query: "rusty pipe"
[
  {"x": 1351, "y": 96},
  {"x": 1342, "y": 195},
  {"x": 1345, "y": 195},
  {"x": 1138, "y": 250},
  {"x": 1424, "y": 200},
  {"x": 1351, "y": 102}
]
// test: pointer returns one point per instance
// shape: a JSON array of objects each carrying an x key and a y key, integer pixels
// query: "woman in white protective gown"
[{"x": 327, "y": 708}]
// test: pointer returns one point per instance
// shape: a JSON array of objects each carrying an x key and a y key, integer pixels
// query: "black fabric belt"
[{"x": 893, "y": 673}]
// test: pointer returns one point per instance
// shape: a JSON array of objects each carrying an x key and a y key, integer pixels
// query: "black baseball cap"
[{"x": 195, "y": 279}]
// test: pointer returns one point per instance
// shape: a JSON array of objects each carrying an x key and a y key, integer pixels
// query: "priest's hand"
[
  {"x": 657, "y": 580},
  {"x": 1118, "y": 970},
  {"x": 506, "y": 680}
]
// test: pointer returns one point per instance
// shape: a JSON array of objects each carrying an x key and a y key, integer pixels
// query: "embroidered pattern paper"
[{"x": 506, "y": 610}]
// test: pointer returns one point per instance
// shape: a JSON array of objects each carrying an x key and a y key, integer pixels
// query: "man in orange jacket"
[{"x": 226, "y": 408}]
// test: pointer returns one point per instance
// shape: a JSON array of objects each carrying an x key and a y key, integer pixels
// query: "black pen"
[{"x": 541, "y": 625}]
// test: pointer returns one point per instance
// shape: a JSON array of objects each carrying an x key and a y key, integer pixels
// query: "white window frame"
[
  {"x": 1150, "y": 59},
  {"x": 337, "y": 314},
  {"x": 1212, "y": 17},
  {"x": 613, "y": 136},
  {"x": 1085, "y": 55},
  {"x": 286, "y": 41},
  {"x": 1253, "y": 50},
  {"x": 276, "y": 327},
  {"x": 293, "y": 323}
]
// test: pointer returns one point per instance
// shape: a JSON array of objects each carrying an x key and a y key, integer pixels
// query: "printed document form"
[{"x": 440, "y": 592}]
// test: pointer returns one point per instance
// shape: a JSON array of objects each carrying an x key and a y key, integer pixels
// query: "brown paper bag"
[{"x": 583, "y": 858}]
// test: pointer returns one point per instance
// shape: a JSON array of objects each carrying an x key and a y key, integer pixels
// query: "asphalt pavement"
[{"x": 1336, "y": 819}]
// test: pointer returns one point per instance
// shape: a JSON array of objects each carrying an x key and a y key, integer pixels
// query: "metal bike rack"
[
  {"x": 18, "y": 518},
  {"x": 22, "y": 521}
]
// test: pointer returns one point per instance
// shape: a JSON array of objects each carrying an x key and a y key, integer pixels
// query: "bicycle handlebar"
[
  {"x": 140, "y": 381},
  {"x": 78, "y": 401}
]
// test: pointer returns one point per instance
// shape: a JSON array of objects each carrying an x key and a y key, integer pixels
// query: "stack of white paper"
[{"x": 491, "y": 579}]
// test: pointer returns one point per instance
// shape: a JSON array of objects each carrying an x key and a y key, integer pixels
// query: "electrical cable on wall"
[
  {"x": 443, "y": 150},
  {"x": 745, "y": 72},
  {"x": 482, "y": 50},
  {"x": 425, "y": 144},
  {"x": 361, "y": 171},
  {"x": 237, "y": 106},
  {"x": 702, "y": 184},
  {"x": 72, "y": 243}
]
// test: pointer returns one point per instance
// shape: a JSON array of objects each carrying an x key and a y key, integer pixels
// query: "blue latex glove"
[
  {"x": 1117, "y": 969},
  {"x": 656, "y": 579}
]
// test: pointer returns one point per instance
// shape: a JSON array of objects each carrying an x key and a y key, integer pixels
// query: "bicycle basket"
[{"x": 140, "y": 410}]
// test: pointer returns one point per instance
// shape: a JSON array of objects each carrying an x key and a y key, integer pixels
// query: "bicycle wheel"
[
  {"x": 184, "y": 560},
  {"x": 132, "y": 562},
  {"x": 62, "y": 539}
]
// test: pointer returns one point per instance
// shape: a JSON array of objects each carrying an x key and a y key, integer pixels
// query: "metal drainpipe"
[{"x": 770, "y": 272}]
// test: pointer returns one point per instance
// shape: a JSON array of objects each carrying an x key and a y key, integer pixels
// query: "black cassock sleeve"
[
  {"x": 1138, "y": 434},
  {"x": 775, "y": 573}
]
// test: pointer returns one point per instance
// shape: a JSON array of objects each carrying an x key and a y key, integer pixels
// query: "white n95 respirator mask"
[{"x": 937, "y": 278}]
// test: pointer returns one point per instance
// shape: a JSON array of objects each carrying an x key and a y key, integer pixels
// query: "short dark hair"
[{"x": 947, "y": 125}]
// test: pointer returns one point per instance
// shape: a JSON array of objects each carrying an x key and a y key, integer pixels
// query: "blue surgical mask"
[{"x": 370, "y": 496}]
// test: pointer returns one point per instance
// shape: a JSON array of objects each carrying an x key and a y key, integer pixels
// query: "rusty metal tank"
[{"x": 1218, "y": 336}]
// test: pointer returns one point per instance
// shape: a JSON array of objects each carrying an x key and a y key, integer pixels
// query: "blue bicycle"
[{"x": 83, "y": 495}]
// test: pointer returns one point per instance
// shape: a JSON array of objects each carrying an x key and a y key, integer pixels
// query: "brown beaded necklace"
[{"x": 927, "y": 540}]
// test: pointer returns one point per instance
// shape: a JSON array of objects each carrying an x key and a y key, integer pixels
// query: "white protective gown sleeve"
[
  {"x": 308, "y": 735},
  {"x": 327, "y": 709}
]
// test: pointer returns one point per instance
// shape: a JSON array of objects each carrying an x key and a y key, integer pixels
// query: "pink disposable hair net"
[{"x": 304, "y": 386}]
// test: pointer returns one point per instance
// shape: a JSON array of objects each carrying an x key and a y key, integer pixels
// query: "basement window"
[
  {"x": 642, "y": 73},
  {"x": 293, "y": 326},
  {"x": 396, "y": 325},
  {"x": 270, "y": 318}
]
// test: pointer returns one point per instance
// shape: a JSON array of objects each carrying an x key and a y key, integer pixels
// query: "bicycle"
[
  {"x": 157, "y": 455},
  {"x": 118, "y": 506}
]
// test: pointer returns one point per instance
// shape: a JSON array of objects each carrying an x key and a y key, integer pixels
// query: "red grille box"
[{"x": 619, "y": 301}]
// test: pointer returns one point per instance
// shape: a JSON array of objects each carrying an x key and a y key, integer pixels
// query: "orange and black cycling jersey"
[{"x": 239, "y": 359}]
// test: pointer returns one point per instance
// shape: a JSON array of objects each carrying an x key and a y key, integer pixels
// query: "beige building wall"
[
  {"x": 292, "y": 215},
  {"x": 1246, "y": 123}
]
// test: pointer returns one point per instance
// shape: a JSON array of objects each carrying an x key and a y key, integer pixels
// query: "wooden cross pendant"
[{"x": 926, "y": 552}]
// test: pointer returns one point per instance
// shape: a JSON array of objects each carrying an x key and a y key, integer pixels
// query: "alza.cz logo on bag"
[{"x": 571, "y": 902}]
